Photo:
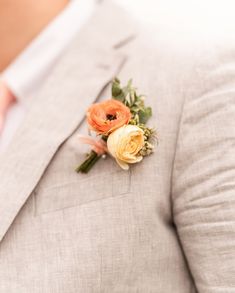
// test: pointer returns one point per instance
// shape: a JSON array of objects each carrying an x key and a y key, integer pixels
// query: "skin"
[{"x": 21, "y": 21}]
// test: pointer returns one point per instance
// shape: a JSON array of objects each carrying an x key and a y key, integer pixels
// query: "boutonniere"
[{"x": 120, "y": 128}]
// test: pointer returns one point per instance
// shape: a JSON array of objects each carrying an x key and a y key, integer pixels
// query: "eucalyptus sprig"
[{"x": 136, "y": 103}]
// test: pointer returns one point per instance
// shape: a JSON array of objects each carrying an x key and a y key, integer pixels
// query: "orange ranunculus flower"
[{"x": 107, "y": 116}]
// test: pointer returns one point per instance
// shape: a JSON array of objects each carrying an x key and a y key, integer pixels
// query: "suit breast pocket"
[{"x": 81, "y": 189}]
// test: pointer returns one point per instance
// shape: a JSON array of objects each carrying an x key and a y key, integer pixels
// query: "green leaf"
[
  {"x": 116, "y": 89},
  {"x": 144, "y": 115},
  {"x": 132, "y": 100},
  {"x": 135, "y": 109},
  {"x": 120, "y": 97},
  {"x": 129, "y": 84}
]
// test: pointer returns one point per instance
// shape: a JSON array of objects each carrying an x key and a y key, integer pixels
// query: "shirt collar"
[{"x": 29, "y": 70}]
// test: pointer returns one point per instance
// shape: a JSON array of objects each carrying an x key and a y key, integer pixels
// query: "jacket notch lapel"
[{"x": 55, "y": 113}]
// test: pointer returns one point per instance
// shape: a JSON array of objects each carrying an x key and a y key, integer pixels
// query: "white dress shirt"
[{"x": 31, "y": 68}]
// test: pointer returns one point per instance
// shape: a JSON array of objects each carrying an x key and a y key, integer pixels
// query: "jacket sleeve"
[{"x": 203, "y": 189}]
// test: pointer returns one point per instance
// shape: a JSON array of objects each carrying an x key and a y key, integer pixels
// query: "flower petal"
[{"x": 122, "y": 164}]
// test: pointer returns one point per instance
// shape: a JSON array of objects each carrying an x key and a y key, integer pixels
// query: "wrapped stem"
[{"x": 86, "y": 166}]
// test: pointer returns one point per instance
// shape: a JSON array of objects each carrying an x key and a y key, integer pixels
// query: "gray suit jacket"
[{"x": 165, "y": 226}]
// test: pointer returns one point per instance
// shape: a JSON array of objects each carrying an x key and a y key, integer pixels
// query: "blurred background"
[{"x": 213, "y": 17}]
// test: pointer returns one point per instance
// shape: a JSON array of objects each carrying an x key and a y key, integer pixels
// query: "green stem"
[{"x": 86, "y": 166}]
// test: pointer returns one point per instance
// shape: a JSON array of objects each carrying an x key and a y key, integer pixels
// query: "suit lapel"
[{"x": 88, "y": 65}]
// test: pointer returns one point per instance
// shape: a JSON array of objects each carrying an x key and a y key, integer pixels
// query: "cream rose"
[{"x": 124, "y": 145}]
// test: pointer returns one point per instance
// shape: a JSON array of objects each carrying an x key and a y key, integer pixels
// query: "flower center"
[{"x": 111, "y": 117}]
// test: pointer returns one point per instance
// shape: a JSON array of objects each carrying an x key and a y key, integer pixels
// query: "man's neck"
[{"x": 20, "y": 22}]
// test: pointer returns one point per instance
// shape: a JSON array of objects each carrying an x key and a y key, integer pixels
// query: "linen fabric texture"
[{"x": 167, "y": 224}]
